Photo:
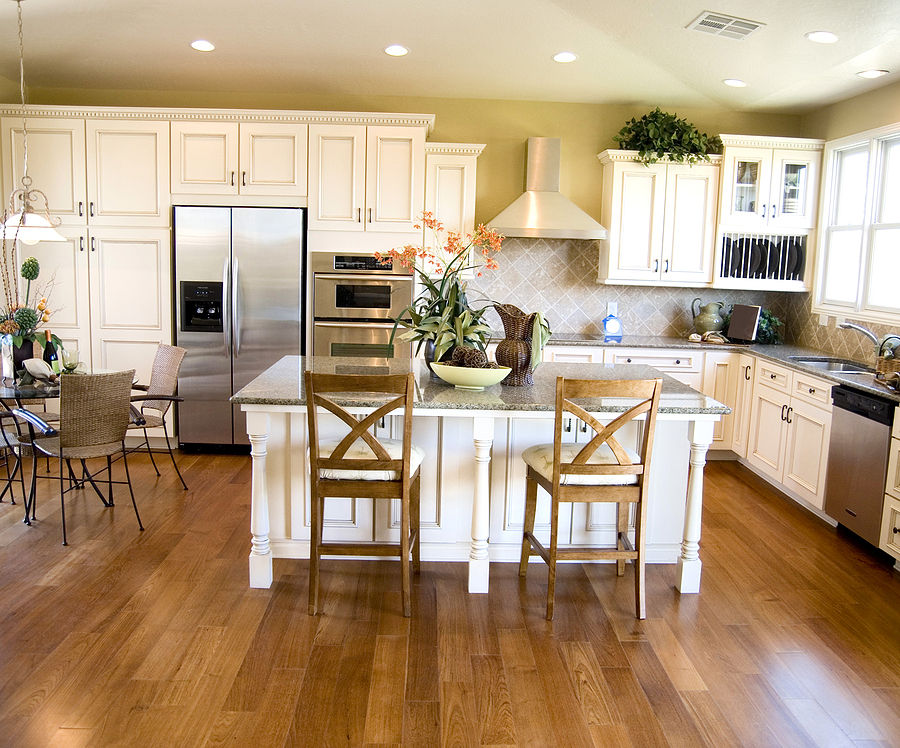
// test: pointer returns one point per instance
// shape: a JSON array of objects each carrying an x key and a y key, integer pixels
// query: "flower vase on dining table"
[{"x": 514, "y": 350}]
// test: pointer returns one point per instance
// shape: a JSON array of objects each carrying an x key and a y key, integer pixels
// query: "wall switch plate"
[
  {"x": 823, "y": 320},
  {"x": 612, "y": 308}
]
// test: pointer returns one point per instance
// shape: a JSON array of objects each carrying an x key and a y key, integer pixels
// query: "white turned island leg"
[
  {"x": 260, "y": 552},
  {"x": 479, "y": 565},
  {"x": 687, "y": 577}
]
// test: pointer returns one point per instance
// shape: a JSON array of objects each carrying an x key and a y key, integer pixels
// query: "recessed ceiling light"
[
  {"x": 734, "y": 83},
  {"x": 822, "y": 37},
  {"x": 872, "y": 73},
  {"x": 201, "y": 45},
  {"x": 565, "y": 57},
  {"x": 396, "y": 50}
]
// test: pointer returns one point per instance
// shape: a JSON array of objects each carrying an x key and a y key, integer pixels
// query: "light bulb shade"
[{"x": 31, "y": 228}]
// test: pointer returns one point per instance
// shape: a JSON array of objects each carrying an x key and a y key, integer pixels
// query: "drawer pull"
[
  {"x": 627, "y": 360},
  {"x": 812, "y": 390},
  {"x": 677, "y": 360},
  {"x": 772, "y": 376},
  {"x": 850, "y": 512},
  {"x": 896, "y": 530}
]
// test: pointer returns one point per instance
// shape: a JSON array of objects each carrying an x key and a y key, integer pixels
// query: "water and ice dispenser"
[{"x": 201, "y": 306}]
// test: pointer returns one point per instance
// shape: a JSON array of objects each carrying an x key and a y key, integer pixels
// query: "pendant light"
[{"x": 27, "y": 224}]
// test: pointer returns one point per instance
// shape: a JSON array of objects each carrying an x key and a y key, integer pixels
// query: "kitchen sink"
[{"x": 831, "y": 364}]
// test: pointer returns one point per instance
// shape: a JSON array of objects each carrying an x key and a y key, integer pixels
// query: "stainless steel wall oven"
[{"x": 355, "y": 298}]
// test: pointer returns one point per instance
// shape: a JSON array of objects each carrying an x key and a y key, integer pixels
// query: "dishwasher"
[{"x": 858, "y": 460}]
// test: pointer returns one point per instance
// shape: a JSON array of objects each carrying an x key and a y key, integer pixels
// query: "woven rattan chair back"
[
  {"x": 94, "y": 408},
  {"x": 164, "y": 376}
]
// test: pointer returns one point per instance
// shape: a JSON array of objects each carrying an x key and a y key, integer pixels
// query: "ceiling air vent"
[{"x": 723, "y": 25}]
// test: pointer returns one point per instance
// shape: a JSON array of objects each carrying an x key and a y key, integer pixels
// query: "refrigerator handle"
[
  {"x": 226, "y": 307},
  {"x": 236, "y": 306}
]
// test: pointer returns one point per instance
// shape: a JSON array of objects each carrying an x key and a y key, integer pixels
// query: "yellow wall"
[
  {"x": 864, "y": 112},
  {"x": 504, "y": 126}
]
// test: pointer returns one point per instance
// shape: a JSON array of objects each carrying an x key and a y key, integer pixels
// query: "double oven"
[{"x": 355, "y": 299}]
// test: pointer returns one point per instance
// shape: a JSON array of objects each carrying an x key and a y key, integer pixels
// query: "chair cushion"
[
  {"x": 540, "y": 457},
  {"x": 359, "y": 450}
]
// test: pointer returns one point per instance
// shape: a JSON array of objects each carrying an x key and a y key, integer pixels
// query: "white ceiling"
[{"x": 635, "y": 52}]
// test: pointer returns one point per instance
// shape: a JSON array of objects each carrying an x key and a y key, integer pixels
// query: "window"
[{"x": 858, "y": 264}]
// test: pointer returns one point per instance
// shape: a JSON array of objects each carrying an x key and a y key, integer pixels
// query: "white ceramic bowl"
[{"x": 470, "y": 379}]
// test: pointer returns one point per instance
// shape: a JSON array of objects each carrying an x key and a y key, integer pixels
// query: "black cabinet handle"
[
  {"x": 91, "y": 207},
  {"x": 788, "y": 419},
  {"x": 627, "y": 360},
  {"x": 771, "y": 376},
  {"x": 812, "y": 390},
  {"x": 747, "y": 373},
  {"x": 243, "y": 179},
  {"x": 80, "y": 208},
  {"x": 677, "y": 360},
  {"x": 782, "y": 412}
]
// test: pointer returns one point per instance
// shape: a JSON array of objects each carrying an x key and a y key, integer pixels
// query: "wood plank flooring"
[{"x": 154, "y": 640}]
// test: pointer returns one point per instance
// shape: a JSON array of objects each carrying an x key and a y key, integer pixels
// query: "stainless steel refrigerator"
[{"x": 238, "y": 310}]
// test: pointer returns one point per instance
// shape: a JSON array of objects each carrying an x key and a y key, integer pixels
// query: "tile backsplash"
[{"x": 559, "y": 278}]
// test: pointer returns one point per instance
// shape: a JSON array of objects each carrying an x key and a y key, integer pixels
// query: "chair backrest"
[
  {"x": 94, "y": 408},
  {"x": 320, "y": 385},
  {"x": 642, "y": 397},
  {"x": 164, "y": 376}
]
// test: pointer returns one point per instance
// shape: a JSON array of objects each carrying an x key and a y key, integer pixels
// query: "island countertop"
[{"x": 282, "y": 385}]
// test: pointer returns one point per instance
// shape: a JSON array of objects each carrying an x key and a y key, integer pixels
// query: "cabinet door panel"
[
  {"x": 806, "y": 456},
  {"x": 395, "y": 173},
  {"x": 794, "y": 191},
  {"x": 720, "y": 374},
  {"x": 744, "y": 400},
  {"x": 641, "y": 222},
  {"x": 337, "y": 176},
  {"x": 765, "y": 447},
  {"x": 273, "y": 159},
  {"x": 691, "y": 196},
  {"x": 128, "y": 178},
  {"x": 204, "y": 158},
  {"x": 56, "y": 163},
  {"x": 746, "y": 179}
]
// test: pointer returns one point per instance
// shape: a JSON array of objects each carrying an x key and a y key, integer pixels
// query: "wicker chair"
[
  {"x": 602, "y": 470},
  {"x": 95, "y": 411},
  {"x": 160, "y": 396},
  {"x": 359, "y": 465}
]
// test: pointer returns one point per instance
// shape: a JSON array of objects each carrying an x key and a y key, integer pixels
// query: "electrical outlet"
[
  {"x": 612, "y": 308},
  {"x": 823, "y": 320}
]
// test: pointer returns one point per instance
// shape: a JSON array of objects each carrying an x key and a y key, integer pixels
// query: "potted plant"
[
  {"x": 442, "y": 316},
  {"x": 660, "y": 135},
  {"x": 20, "y": 319}
]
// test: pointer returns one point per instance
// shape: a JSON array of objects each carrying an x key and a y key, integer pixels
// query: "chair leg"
[
  {"x": 554, "y": 536},
  {"x": 87, "y": 477},
  {"x": 415, "y": 519},
  {"x": 404, "y": 554},
  {"x": 150, "y": 451},
  {"x": 171, "y": 454},
  {"x": 621, "y": 533},
  {"x": 640, "y": 582},
  {"x": 62, "y": 498},
  {"x": 531, "y": 488},
  {"x": 128, "y": 480},
  {"x": 315, "y": 539}
]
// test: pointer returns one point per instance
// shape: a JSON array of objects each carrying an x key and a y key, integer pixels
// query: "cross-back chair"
[
  {"x": 602, "y": 470},
  {"x": 359, "y": 465}
]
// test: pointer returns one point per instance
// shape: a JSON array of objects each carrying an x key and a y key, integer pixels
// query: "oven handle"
[{"x": 372, "y": 278}]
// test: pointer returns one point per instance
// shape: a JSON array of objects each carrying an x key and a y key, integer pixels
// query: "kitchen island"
[{"x": 473, "y": 481}]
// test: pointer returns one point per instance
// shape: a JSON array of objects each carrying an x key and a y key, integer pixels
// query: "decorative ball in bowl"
[{"x": 470, "y": 379}]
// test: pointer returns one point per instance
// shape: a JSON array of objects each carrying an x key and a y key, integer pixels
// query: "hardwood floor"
[{"x": 154, "y": 640}]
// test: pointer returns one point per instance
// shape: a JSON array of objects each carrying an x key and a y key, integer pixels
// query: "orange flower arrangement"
[{"x": 442, "y": 313}]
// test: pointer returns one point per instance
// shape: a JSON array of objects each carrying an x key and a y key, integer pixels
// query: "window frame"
[{"x": 875, "y": 142}]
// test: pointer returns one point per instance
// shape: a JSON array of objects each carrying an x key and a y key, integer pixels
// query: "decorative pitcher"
[{"x": 709, "y": 318}]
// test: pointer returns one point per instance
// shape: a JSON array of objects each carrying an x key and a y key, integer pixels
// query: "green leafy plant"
[
  {"x": 659, "y": 135},
  {"x": 768, "y": 331}
]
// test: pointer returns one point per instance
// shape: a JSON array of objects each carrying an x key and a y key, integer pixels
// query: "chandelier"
[{"x": 27, "y": 212}]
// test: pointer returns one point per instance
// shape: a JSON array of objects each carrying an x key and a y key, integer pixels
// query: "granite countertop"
[
  {"x": 781, "y": 354},
  {"x": 282, "y": 385}
]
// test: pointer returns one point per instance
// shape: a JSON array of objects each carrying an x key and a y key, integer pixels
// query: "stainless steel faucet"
[{"x": 859, "y": 328}]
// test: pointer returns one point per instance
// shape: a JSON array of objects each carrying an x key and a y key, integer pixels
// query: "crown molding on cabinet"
[
  {"x": 621, "y": 155},
  {"x": 226, "y": 115},
  {"x": 758, "y": 141},
  {"x": 454, "y": 149}
]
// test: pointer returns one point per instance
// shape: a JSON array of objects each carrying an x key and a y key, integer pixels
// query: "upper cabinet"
[
  {"x": 366, "y": 178},
  {"x": 246, "y": 158},
  {"x": 450, "y": 185},
  {"x": 97, "y": 172},
  {"x": 770, "y": 189},
  {"x": 661, "y": 220}
]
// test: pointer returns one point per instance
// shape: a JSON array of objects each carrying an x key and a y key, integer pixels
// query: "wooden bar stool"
[
  {"x": 603, "y": 470},
  {"x": 360, "y": 466}
]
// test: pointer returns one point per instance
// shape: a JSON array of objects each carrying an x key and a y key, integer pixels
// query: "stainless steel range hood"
[{"x": 543, "y": 212}]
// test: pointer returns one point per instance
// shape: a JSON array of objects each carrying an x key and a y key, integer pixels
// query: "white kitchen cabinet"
[
  {"x": 684, "y": 365},
  {"x": 450, "y": 171},
  {"x": 743, "y": 406},
  {"x": 94, "y": 172},
  {"x": 790, "y": 429},
  {"x": 770, "y": 184},
  {"x": 572, "y": 354},
  {"x": 366, "y": 178},
  {"x": 720, "y": 381},
  {"x": 56, "y": 163},
  {"x": 246, "y": 158},
  {"x": 661, "y": 220},
  {"x": 127, "y": 173}
]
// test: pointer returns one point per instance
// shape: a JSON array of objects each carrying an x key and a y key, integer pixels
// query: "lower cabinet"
[
  {"x": 685, "y": 365},
  {"x": 743, "y": 404},
  {"x": 890, "y": 525},
  {"x": 790, "y": 429},
  {"x": 720, "y": 380},
  {"x": 110, "y": 294},
  {"x": 572, "y": 354}
]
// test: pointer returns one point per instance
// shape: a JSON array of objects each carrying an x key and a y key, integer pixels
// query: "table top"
[
  {"x": 11, "y": 390},
  {"x": 282, "y": 385}
]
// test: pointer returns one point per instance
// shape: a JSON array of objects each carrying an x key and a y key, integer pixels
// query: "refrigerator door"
[
  {"x": 202, "y": 255},
  {"x": 266, "y": 304}
]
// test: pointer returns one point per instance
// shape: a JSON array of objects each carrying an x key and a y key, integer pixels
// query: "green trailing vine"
[{"x": 660, "y": 135}]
